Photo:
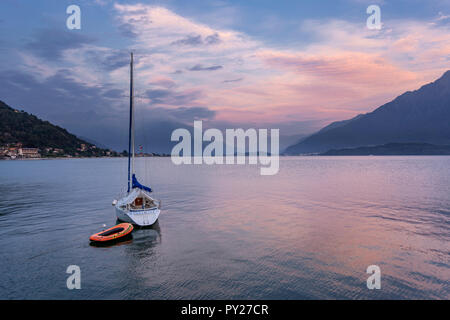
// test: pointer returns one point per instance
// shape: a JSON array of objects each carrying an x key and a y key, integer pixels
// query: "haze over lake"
[{"x": 225, "y": 231}]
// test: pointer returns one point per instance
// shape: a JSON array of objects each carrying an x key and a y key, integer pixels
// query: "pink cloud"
[
  {"x": 345, "y": 67},
  {"x": 346, "y": 70}
]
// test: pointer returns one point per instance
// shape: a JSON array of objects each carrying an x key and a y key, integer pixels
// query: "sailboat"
[{"x": 137, "y": 206}]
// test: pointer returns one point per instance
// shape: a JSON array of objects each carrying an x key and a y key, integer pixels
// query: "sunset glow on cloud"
[
  {"x": 348, "y": 70},
  {"x": 191, "y": 68}
]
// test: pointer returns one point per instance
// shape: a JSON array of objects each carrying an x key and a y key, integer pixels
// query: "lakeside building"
[
  {"x": 3, "y": 151},
  {"x": 17, "y": 151},
  {"x": 29, "y": 153}
]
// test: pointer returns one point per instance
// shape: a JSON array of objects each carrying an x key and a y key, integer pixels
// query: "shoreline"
[
  {"x": 69, "y": 158},
  {"x": 281, "y": 156}
]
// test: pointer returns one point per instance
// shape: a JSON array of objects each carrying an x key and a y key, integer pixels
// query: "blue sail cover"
[{"x": 136, "y": 184}]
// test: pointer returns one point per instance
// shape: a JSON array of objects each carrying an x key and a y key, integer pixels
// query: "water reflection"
[
  {"x": 229, "y": 233},
  {"x": 147, "y": 236}
]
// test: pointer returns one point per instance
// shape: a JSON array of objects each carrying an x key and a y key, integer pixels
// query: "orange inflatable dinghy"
[{"x": 117, "y": 232}]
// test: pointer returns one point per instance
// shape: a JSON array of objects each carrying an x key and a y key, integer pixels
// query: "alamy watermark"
[
  {"x": 374, "y": 281},
  {"x": 235, "y": 143},
  {"x": 74, "y": 280},
  {"x": 374, "y": 20},
  {"x": 74, "y": 20}
]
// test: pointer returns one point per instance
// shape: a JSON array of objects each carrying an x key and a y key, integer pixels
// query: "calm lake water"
[{"x": 225, "y": 232}]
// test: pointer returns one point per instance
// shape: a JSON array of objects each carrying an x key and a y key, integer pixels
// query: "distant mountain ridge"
[
  {"x": 21, "y": 127},
  {"x": 392, "y": 149},
  {"x": 418, "y": 116}
]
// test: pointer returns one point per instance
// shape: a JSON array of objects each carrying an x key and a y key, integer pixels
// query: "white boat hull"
[{"x": 141, "y": 218}]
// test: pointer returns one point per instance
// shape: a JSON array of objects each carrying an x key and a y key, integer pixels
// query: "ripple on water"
[{"x": 309, "y": 232}]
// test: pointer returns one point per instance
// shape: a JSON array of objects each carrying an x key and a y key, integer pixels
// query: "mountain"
[
  {"x": 419, "y": 116},
  {"x": 93, "y": 142},
  {"x": 338, "y": 124},
  {"x": 21, "y": 127},
  {"x": 288, "y": 140},
  {"x": 392, "y": 149}
]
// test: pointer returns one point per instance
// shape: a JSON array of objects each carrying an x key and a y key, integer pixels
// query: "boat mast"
[{"x": 131, "y": 128}]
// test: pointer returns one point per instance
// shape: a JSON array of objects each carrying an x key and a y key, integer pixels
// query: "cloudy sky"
[{"x": 288, "y": 64}]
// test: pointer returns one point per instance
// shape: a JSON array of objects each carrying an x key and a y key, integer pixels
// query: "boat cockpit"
[{"x": 142, "y": 203}]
